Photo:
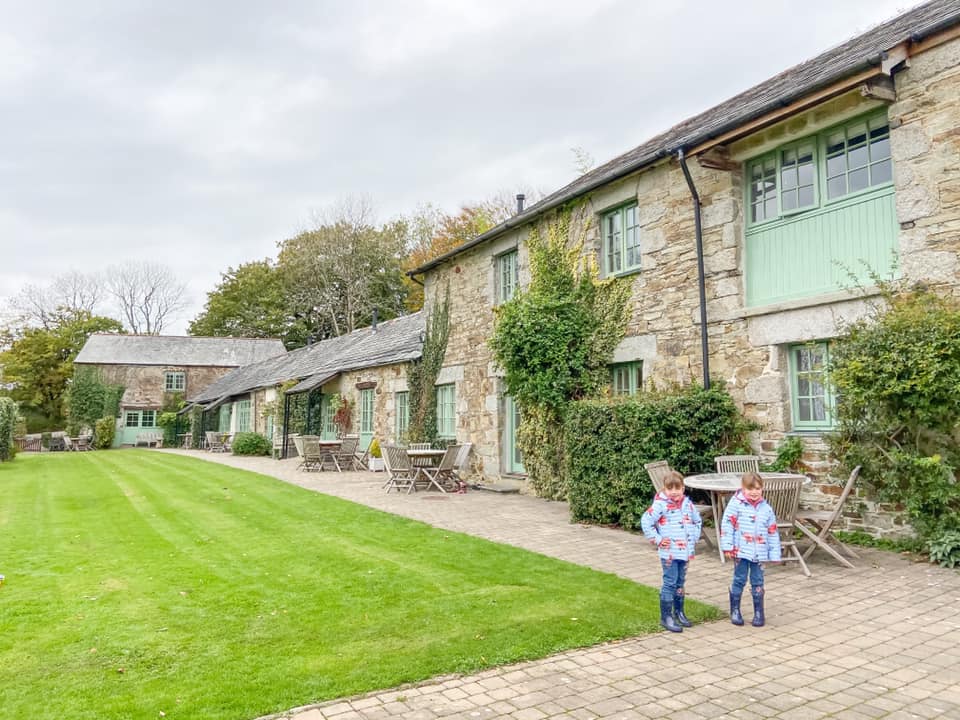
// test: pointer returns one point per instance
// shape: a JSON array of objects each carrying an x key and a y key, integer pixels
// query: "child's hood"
[{"x": 739, "y": 495}]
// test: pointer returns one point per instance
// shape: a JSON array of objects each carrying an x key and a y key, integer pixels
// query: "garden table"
[
  {"x": 722, "y": 486},
  {"x": 425, "y": 457}
]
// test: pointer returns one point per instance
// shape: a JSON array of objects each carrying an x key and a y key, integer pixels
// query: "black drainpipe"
[{"x": 704, "y": 348}]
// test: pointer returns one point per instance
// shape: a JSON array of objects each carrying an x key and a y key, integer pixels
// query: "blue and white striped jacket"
[
  {"x": 750, "y": 531},
  {"x": 679, "y": 523}
]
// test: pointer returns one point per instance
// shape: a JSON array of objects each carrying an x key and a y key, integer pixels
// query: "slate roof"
[
  {"x": 110, "y": 349},
  {"x": 394, "y": 341},
  {"x": 835, "y": 64}
]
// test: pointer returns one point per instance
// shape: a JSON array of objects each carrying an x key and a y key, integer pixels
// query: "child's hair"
[
  {"x": 672, "y": 480},
  {"x": 751, "y": 480}
]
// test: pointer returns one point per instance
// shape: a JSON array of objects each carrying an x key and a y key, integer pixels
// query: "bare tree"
[
  {"x": 68, "y": 295},
  {"x": 148, "y": 295},
  {"x": 583, "y": 161}
]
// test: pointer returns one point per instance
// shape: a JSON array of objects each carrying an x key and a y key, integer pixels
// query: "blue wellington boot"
[
  {"x": 758, "y": 618},
  {"x": 666, "y": 616},
  {"x": 735, "y": 617},
  {"x": 678, "y": 611}
]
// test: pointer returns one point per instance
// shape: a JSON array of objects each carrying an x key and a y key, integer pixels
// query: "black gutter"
[
  {"x": 286, "y": 426},
  {"x": 698, "y": 231}
]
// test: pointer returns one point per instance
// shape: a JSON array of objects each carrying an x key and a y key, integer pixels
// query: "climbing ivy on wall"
[
  {"x": 555, "y": 340},
  {"x": 422, "y": 374}
]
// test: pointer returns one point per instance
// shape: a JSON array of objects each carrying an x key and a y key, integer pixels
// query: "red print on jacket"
[
  {"x": 772, "y": 529},
  {"x": 663, "y": 520},
  {"x": 734, "y": 521}
]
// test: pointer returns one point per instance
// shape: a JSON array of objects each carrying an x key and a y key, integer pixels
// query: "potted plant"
[{"x": 375, "y": 461}]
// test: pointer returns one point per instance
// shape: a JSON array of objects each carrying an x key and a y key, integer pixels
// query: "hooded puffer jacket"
[
  {"x": 674, "y": 527},
  {"x": 750, "y": 531}
]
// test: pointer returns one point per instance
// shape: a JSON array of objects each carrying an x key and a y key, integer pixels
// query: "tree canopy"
[{"x": 38, "y": 364}]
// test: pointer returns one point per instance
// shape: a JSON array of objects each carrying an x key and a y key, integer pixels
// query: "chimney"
[
  {"x": 520, "y": 198},
  {"x": 373, "y": 325}
]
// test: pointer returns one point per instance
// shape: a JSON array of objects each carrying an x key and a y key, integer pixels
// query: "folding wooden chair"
[
  {"x": 658, "y": 470},
  {"x": 215, "y": 441},
  {"x": 737, "y": 463},
  {"x": 400, "y": 473},
  {"x": 461, "y": 468},
  {"x": 313, "y": 454},
  {"x": 443, "y": 473},
  {"x": 346, "y": 455},
  {"x": 783, "y": 494},
  {"x": 822, "y": 521}
]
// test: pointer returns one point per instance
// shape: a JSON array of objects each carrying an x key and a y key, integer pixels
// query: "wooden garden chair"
[
  {"x": 737, "y": 464},
  {"x": 442, "y": 475},
  {"x": 400, "y": 472},
  {"x": 461, "y": 468},
  {"x": 658, "y": 470},
  {"x": 346, "y": 454},
  {"x": 783, "y": 494},
  {"x": 822, "y": 521},
  {"x": 215, "y": 441}
]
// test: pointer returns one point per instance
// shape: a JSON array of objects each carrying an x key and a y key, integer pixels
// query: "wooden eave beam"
[
  {"x": 797, "y": 106},
  {"x": 879, "y": 88}
]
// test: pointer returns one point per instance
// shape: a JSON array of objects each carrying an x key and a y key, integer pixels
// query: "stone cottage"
[
  {"x": 743, "y": 231},
  {"x": 367, "y": 367},
  {"x": 151, "y": 367}
]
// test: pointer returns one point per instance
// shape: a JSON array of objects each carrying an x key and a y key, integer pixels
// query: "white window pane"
[
  {"x": 836, "y": 186},
  {"x": 858, "y": 179},
  {"x": 880, "y": 149},
  {"x": 806, "y": 196},
  {"x": 805, "y": 174},
  {"x": 881, "y": 172},
  {"x": 788, "y": 178},
  {"x": 789, "y": 199},
  {"x": 803, "y": 407},
  {"x": 770, "y": 208},
  {"x": 857, "y": 157}
]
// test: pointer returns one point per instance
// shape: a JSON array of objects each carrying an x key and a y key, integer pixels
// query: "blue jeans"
[
  {"x": 743, "y": 568},
  {"x": 674, "y": 576}
]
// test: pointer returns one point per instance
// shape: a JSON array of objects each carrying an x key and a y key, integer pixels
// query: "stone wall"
[
  {"x": 748, "y": 346},
  {"x": 144, "y": 384}
]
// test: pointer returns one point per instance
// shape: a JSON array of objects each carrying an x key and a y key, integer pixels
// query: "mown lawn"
[{"x": 140, "y": 583}]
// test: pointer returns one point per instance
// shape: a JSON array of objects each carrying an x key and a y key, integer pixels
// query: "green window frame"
[
  {"x": 223, "y": 422},
  {"x": 446, "y": 412},
  {"x": 148, "y": 418},
  {"x": 857, "y": 157},
  {"x": 174, "y": 381},
  {"x": 817, "y": 170},
  {"x": 328, "y": 428},
  {"x": 243, "y": 416},
  {"x": 507, "y": 276},
  {"x": 621, "y": 239},
  {"x": 626, "y": 378},
  {"x": 131, "y": 418},
  {"x": 366, "y": 411},
  {"x": 402, "y": 406},
  {"x": 811, "y": 394}
]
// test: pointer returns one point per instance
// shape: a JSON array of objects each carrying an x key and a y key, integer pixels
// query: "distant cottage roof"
[
  {"x": 393, "y": 341},
  {"x": 837, "y": 63},
  {"x": 110, "y": 349}
]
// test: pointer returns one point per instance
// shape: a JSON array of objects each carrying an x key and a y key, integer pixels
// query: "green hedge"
[
  {"x": 8, "y": 424},
  {"x": 251, "y": 443},
  {"x": 609, "y": 441}
]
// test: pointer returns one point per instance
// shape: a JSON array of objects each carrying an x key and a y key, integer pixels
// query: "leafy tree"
[
  {"x": 250, "y": 302},
  {"x": 897, "y": 377},
  {"x": 39, "y": 362},
  {"x": 343, "y": 269},
  {"x": 554, "y": 341},
  {"x": 422, "y": 374},
  {"x": 9, "y": 416}
]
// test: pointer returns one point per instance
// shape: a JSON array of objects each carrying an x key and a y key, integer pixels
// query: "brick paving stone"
[{"x": 835, "y": 641}]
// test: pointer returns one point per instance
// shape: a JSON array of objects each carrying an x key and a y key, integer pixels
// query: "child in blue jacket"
[
  {"x": 673, "y": 525},
  {"x": 749, "y": 536}
]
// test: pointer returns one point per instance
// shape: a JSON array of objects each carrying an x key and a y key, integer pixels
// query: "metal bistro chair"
[
  {"x": 442, "y": 474},
  {"x": 658, "y": 470},
  {"x": 400, "y": 472},
  {"x": 737, "y": 463},
  {"x": 783, "y": 494},
  {"x": 822, "y": 522}
]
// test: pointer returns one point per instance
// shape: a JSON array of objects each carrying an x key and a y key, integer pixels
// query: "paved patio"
[{"x": 880, "y": 641}]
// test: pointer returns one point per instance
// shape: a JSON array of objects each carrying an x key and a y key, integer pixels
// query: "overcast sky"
[{"x": 201, "y": 133}]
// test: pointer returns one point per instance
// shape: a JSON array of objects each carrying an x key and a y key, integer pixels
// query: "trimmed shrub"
[
  {"x": 609, "y": 441},
  {"x": 103, "y": 432},
  {"x": 251, "y": 443},
  {"x": 9, "y": 417}
]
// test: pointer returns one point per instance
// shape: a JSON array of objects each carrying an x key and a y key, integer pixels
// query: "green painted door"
[
  {"x": 514, "y": 458},
  {"x": 366, "y": 418},
  {"x": 328, "y": 429},
  {"x": 134, "y": 423}
]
